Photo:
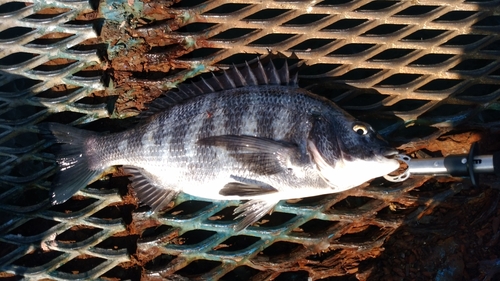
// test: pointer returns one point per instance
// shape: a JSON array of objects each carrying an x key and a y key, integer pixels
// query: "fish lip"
[{"x": 390, "y": 152}]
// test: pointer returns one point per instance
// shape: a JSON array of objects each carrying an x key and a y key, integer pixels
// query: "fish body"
[{"x": 249, "y": 134}]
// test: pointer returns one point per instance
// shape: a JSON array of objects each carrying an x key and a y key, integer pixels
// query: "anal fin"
[
  {"x": 148, "y": 189},
  {"x": 252, "y": 211}
]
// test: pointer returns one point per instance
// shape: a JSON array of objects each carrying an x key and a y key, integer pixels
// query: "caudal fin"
[{"x": 74, "y": 167}]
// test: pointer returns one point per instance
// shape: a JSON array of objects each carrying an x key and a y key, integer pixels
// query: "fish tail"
[{"x": 75, "y": 170}]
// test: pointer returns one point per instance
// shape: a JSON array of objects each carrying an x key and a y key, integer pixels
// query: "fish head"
[{"x": 348, "y": 152}]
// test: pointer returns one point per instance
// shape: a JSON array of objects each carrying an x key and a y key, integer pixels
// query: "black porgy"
[{"x": 248, "y": 133}]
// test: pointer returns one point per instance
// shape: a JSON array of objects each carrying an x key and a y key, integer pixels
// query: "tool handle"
[{"x": 496, "y": 163}]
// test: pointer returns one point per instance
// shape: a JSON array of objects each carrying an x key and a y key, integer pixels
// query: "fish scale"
[{"x": 247, "y": 134}]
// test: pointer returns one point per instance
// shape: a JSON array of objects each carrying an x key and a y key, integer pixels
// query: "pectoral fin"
[
  {"x": 243, "y": 189},
  {"x": 252, "y": 211},
  {"x": 259, "y": 155},
  {"x": 148, "y": 189}
]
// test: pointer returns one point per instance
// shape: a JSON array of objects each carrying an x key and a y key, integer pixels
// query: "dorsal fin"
[{"x": 249, "y": 75}]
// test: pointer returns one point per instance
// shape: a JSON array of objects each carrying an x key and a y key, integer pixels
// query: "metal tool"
[{"x": 464, "y": 165}]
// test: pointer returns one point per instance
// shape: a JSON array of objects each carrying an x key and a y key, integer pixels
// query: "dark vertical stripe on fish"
[
  {"x": 265, "y": 117},
  {"x": 207, "y": 126}
]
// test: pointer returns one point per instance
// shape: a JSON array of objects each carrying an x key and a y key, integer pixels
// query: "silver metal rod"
[{"x": 434, "y": 166}]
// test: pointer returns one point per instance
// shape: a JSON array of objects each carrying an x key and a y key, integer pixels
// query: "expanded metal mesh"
[{"x": 420, "y": 69}]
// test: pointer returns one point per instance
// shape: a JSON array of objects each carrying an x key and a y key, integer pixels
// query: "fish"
[{"x": 246, "y": 133}]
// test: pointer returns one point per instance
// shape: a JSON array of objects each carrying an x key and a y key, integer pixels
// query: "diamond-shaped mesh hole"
[
  {"x": 322, "y": 256},
  {"x": 293, "y": 275},
  {"x": 226, "y": 214},
  {"x": 17, "y": 58},
  {"x": 477, "y": 90},
  {"x": 275, "y": 219},
  {"x": 233, "y": 33},
  {"x": 58, "y": 91},
  {"x": 14, "y": 32},
  {"x": 20, "y": 84},
  {"x": 89, "y": 44},
  {"x": 55, "y": 64},
  {"x": 64, "y": 117},
  {"x": 384, "y": 29},
  {"x": 418, "y": 10},
  {"x": 399, "y": 79},
  {"x": 463, "y": 40},
  {"x": 359, "y": 74},
  {"x": 227, "y": 8},
  {"x": 317, "y": 227},
  {"x": 241, "y": 273},
  {"x": 200, "y": 53},
  {"x": 423, "y": 34},
  {"x": 352, "y": 203},
  {"x": 376, "y": 6},
  {"x": 455, "y": 16},
  {"x": 394, "y": 209},
  {"x": 333, "y": 2},
  {"x": 431, "y": 59},
  {"x": 27, "y": 229},
  {"x": 351, "y": 49},
  {"x": 439, "y": 85},
  {"x": 238, "y": 59},
  {"x": 77, "y": 233},
  {"x": 125, "y": 272},
  {"x": 344, "y": 24},
  {"x": 121, "y": 240},
  {"x": 50, "y": 39},
  {"x": 198, "y": 267},
  {"x": 13, "y": 6},
  {"x": 362, "y": 234},
  {"x": 321, "y": 68},
  {"x": 114, "y": 212},
  {"x": 21, "y": 112},
  {"x": 159, "y": 263},
  {"x": 196, "y": 27},
  {"x": 6, "y": 248},
  {"x": 311, "y": 44},
  {"x": 80, "y": 264},
  {"x": 280, "y": 248},
  {"x": 196, "y": 236},
  {"x": 272, "y": 39},
  {"x": 446, "y": 110},
  {"x": 37, "y": 258},
  {"x": 472, "y": 64},
  {"x": 48, "y": 13},
  {"x": 489, "y": 115},
  {"x": 310, "y": 201},
  {"x": 22, "y": 140},
  {"x": 495, "y": 73},
  {"x": 363, "y": 100},
  {"x": 28, "y": 196},
  {"x": 488, "y": 21},
  {"x": 236, "y": 243},
  {"x": 407, "y": 105},
  {"x": 188, "y": 208},
  {"x": 391, "y": 54},
  {"x": 266, "y": 14},
  {"x": 305, "y": 19},
  {"x": 155, "y": 232},
  {"x": 493, "y": 47},
  {"x": 188, "y": 3},
  {"x": 89, "y": 72},
  {"x": 74, "y": 204},
  {"x": 413, "y": 132}
]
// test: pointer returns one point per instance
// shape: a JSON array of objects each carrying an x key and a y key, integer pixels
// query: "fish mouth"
[{"x": 390, "y": 153}]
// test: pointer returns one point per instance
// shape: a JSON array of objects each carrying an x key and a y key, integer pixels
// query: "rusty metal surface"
[{"x": 416, "y": 70}]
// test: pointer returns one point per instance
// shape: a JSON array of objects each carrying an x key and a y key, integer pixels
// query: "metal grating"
[{"x": 414, "y": 70}]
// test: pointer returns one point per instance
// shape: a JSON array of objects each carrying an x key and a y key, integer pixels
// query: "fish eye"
[{"x": 360, "y": 129}]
